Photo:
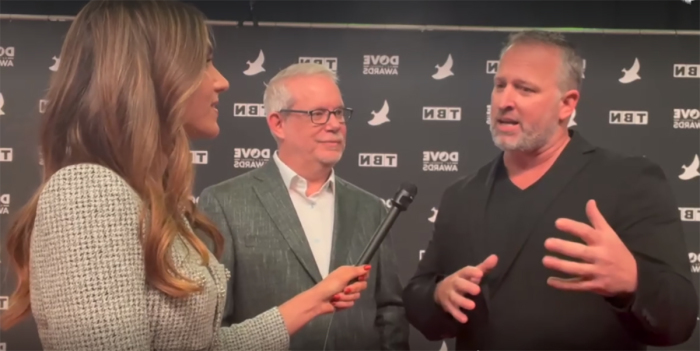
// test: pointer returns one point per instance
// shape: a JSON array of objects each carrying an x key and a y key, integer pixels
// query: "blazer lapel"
[
  {"x": 343, "y": 225},
  {"x": 574, "y": 157},
  {"x": 274, "y": 196}
]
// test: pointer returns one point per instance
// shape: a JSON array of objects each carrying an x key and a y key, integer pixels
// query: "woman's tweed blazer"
[{"x": 87, "y": 279}]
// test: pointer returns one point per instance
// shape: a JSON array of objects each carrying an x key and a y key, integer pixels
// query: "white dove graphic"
[
  {"x": 2, "y": 104},
  {"x": 444, "y": 71},
  {"x": 434, "y": 216},
  {"x": 256, "y": 66},
  {"x": 443, "y": 347},
  {"x": 691, "y": 171},
  {"x": 572, "y": 122},
  {"x": 381, "y": 116},
  {"x": 56, "y": 63},
  {"x": 631, "y": 74}
]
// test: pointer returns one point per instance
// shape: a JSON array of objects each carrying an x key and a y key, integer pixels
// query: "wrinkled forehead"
[{"x": 534, "y": 63}]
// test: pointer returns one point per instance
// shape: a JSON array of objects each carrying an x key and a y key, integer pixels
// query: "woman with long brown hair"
[{"x": 105, "y": 252}]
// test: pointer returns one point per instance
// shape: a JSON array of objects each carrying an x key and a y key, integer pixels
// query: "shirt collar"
[{"x": 294, "y": 181}]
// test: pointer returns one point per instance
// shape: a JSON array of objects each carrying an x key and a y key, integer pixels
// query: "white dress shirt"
[{"x": 316, "y": 212}]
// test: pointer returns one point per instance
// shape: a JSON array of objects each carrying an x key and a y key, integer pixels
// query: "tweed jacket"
[{"x": 87, "y": 278}]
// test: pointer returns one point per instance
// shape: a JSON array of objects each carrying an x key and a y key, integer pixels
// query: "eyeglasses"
[{"x": 321, "y": 116}]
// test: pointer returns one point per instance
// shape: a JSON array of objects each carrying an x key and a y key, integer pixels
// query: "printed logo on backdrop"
[
  {"x": 694, "y": 262},
  {"x": 2, "y": 105},
  {"x": 689, "y": 214},
  {"x": 380, "y": 65},
  {"x": 686, "y": 70},
  {"x": 445, "y": 70},
  {"x": 250, "y": 157},
  {"x": 200, "y": 157},
  {"x": 632, "y": 74},
  {"x": 492, "y": 67},
  {"x": 241, "y": 109},
  {"x": 56, "y": 63},
  {"x": 5, "y": 154},
  {"x": 42, "y": 105},
  {"x": 256, "y": 66},
  {"x": 377, "y": 160},
  {"x": 686, "y": 118},
  {"x": 692, "y": 170},
  {"x": 433, "y": 217},
  {"x": 3, "y": 346},
  {"x": 7, "y": 56},
  {"x": 5, "y": 204},
  {"x": 381, "y": 116},
  {"x": 440, "y": 161},
  {"x": 3, "y": 302},
  {"x": 330, "y": 62},
  {"x": 629, "y": 117},
  {"x": 433, "y": 113}
]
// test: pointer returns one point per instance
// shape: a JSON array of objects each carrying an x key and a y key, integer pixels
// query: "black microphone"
[{"x": 403, "y": 197}]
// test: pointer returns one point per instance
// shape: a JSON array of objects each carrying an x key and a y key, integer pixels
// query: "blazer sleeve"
[
  {"x": 210, "y": 206},
  {"x": 87, "y": 277},
  {"x": 391, "y": 316},
  {"x": 664, "y": 309},
  {"x": 426, "y": 315}
]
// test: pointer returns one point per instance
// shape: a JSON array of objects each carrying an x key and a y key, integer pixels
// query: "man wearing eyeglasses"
[{"x": 292, "y": 221}]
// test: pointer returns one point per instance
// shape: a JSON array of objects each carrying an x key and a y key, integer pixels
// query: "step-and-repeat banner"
[{"x": 421, "y": 102}]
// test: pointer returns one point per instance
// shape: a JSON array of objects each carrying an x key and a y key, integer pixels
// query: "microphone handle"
[{"x": 377, "y": 238}]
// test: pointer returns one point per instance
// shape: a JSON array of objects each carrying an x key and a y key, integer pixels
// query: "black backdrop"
[{"x": 437, "y": 123}]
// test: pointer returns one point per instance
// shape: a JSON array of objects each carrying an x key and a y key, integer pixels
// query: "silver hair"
[
  {"x": 571, "y": 65},
  {"x": 277, "y": 97}
]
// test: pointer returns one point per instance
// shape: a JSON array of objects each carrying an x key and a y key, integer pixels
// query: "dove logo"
[
  {"x": 381, "y": 65},
  {"x": 420, "y": 254},
  {"x": 445, "y": 70},
  {"x": 682, "y": 70},
  {"x": 629, "y": 117},
  {"x": 689, "y": 214},
  {"x": 386, "y": 202},
  {"x": 686, "y": 118},
  {"x": 2, "y": 104},
  {"x": 432, "y": 218},
  {"x": 4, "y": 302},
  {"x": 381, "y": 116},
  {"x": 248, "y": 110},
  {"x": 694, "y": 262},
  {"x": 7, "y": 56},
  {"x": 442, "y": 113},
  {"x": 377, "y": 160},
  {"x": 256, "y": 66},
  {"x": 5, "y": 154},
  {"x": 3, "y": 346},
  {"x": 250, "y": 157},
  {"x": 692, "y": 170},
  {"x": 200, "y": 157},
  {"x": 440, "y": 161},
  {"x": 56, "y": 62},
  {"x": 42, "y": 105},
  {"x": 491, "y": 66},
  {"x": 4, "y": 203},
  {"x": 195, "y": 200},
  {"x": 330, "y": 62},
  {"x": 572, "y": 121},
  {"x": 631, "y": 74}
]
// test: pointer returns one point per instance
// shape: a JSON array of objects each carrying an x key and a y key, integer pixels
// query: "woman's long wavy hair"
[{"x": 127, "y": 70}]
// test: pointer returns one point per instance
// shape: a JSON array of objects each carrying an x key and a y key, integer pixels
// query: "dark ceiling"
[{"x": 668, "y": 14}]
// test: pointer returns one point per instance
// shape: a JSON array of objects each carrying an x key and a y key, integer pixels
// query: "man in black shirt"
[{"x": 555, "y": 244}]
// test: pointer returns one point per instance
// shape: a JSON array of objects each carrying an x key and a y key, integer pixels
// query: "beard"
[{"x": 530, "y": 138}]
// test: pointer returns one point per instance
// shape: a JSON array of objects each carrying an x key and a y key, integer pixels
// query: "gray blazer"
[
  {"x": 271, "y": 261},
  {"x": 87, "y": 278}
]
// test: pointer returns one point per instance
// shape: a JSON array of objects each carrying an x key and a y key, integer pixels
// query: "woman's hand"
[{"x": 336, "y": 293}]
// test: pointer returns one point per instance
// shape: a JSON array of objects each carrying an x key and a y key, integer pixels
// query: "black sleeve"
[
  {"x": 422, "y": 311},
  {"x": 664, "y": 309}
]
